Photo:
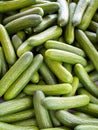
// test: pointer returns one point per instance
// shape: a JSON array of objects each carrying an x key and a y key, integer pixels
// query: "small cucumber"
[
  {"x": 15, "y": 105},
  {"x": 86, "y": 127},
  {"x": 41, "y": 113},
  {"x": 63, "y": 13},
  {"x": 35, "y": 77},
  {"x": 15, "y": 71},
  {"x": 88, "y": 47},
  {"x": 14, "y": 5},
  {"x": 65, "y": 56},
  {"x": 23, "y": 22},
  {"x": 85, "y": 79},
  {"x": 71, "y": 120},
  {"x": 56, "y": 89},
  {"x": 93, "y": 26},
  {"x": 57, "y": 103}
]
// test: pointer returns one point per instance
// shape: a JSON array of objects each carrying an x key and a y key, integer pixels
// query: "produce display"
[{"x": 49, "y": 65}]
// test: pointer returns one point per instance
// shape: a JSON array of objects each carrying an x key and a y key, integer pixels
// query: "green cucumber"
[
  {"x": 93, "y": 26},
  {"x": 6, "y": 126},
  {"x": 88, "y": 15},
  {"x": 68, "y": 67},
  {"x": 88, "y": 47},
  {"x": 63, "y": 13},
  {"x": 79, "y": 11},
  {"x": 36, "y": 10},
  {"x": 86, "y": 127},
  {"x": 65, "y": 56},
  {"x": 15, "y": 71},
  {"x": 90, "y": 67},
  {"x": 71, "y": 120},
  {"x": 47, "y": 75},
  {"x": 7, "y": 46},
  {"x": 69, "y": 29},
  {"x": 57, "y": 128},
  {"x": 24, "y": 78},
  {"x": 47, "y": 21},
  {"x": 56, "y": 89},
  {"x": 23, "y": 115},
  {"x": 38, "y": 39},
  {"x": 21, "y": 23},
  {"x": 61, "y": 72},
  {"x": 15, "y": 105},
  {"x": 41, "y": 113},
  {"x": 14, "y": 5},
  {"x": 35, "y": 77},
  {"x": 52, "y": 44},
  {"x": 85, "y": 79},
  {"x": 57, "y": 103}
]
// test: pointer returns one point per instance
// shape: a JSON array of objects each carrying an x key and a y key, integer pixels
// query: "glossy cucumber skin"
[
  {"x": 88, "y": 47},
  {"x": 57, "y": 103},
  {"x": 22, "y": 23},
  {"x": 14, "y": 5},
  {"x": 15, "y": 71},
  {"x": 85, "y": 79},
  {"x": 36, "y": 10},
  {"x": 38, "y": 39},
  {"x": 41, "y": 113},
  {"x": 64, "y": 56},
  {"x": 86, "y": 127}
]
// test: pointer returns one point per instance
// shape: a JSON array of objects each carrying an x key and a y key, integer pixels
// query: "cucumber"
[
  {"x": 5, "y": 126},
  {"x": 68, "y": 67},
  {"x": 14, "y": 5},
  {"x": 21, "y": 35},
  {"x": 61, "y": 72},
  {"x": 48, "y": 8},
  {"x": 47, "y": 75},
  {"x": 64, "y": 56},
  {"x": 92, "y": 98},
  {"x": 7, "y": 46},
  {"x": 57, "y": 103},
  {"x": 52, "y": 44},
  {"x": 36, "y": 10},
  {"x": 41, "y": 113},
  {"x": 90, "y": 67},
  {"x": 71, "y": 120},
  {"x": 35, "y": 77},
  {"x": 69, "y": 29},
  {"x": 47, "y": 21},
  {"x": 86, "y": 127},
  {"x": 4, "y": 67},
  {"x": 56, "y": 89},
  {"x": 15, "y": 105},
  {"x": 91, "y": 109},
  {"x": 28, "y": 122},
  {"x": 93, "y": 26},
  {"x": 79, "y": 11},
  {"x": 57, "y": 128},
  {"x": 15, "y": 71},
  {"x": 63, "y": 13},
  {"x": 88, "y": 15},
  {"x": 88, "y": 47},
  {"x": 85, "y": 79},
  {"x": 74, "y": 84},
  {"x": 23, "y": 115},
  {"x": 24, "y": 78},
  {"x": 16, "y": 41},
  {"x": 38, "y": 39},
  {"x": 23, "y": 22}
]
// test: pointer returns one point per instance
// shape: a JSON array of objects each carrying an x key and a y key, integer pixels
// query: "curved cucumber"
[
  {"x": 56, "y": 103},
  {"x": 22, "y": 23}
]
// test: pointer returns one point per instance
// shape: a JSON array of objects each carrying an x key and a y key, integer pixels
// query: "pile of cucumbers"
[{"x": 48, "y": 64}]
